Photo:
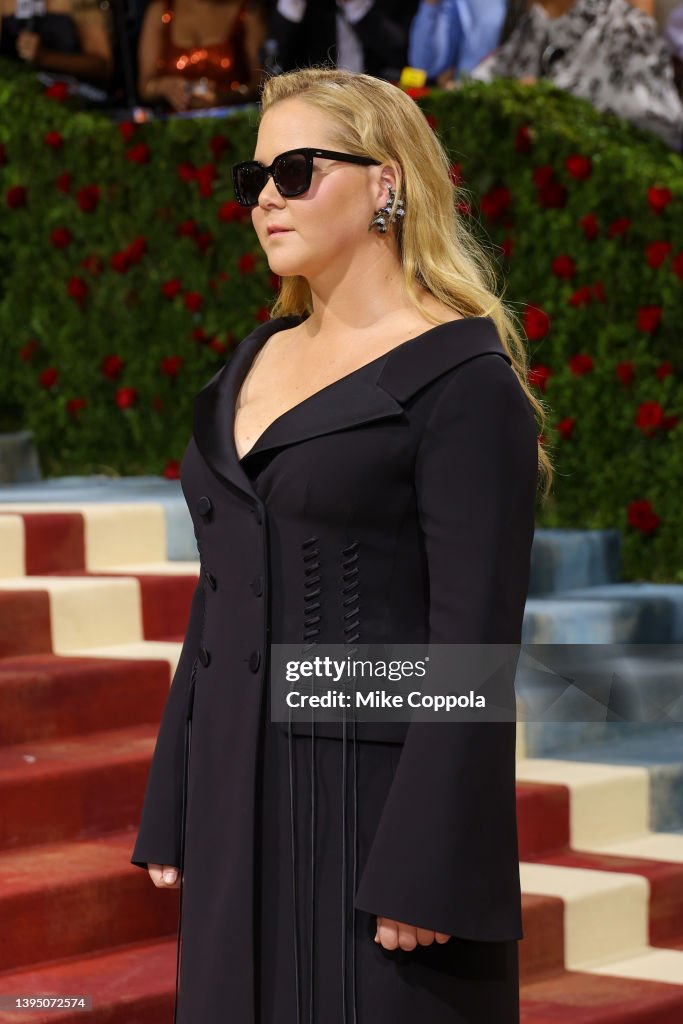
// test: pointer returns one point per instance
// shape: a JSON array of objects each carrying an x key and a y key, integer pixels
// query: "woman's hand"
[
  {"x": 396, "y": 934},
  {"x": 176, "y": 90},
  {"x": 164, "y": 876}
]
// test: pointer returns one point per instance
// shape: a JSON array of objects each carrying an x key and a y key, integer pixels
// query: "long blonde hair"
[{"x": 372, "y": 117}]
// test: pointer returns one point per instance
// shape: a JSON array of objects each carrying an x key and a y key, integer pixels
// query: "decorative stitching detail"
[{"x": 311, "y": 555}]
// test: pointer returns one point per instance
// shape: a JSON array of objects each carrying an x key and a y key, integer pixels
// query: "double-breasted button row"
[{"x": 205, "y": 507}]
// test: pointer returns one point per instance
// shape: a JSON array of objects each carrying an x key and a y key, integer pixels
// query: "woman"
[
  {"x": 200, "y": 53},
  {"x": 364, "y": 469},
  {"x": 67, "y": 36},
  {"x": 451, "y": 36},
  {"x": 608, "y": 52}
]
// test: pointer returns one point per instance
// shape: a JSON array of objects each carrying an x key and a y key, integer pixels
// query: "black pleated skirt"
[{"x": 343, "y": 975}]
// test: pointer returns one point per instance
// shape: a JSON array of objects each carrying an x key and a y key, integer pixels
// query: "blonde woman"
[{"x": 364, "y": 470}]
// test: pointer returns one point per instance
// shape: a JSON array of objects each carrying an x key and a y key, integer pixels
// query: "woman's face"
[{"x": 330, "y": 221}]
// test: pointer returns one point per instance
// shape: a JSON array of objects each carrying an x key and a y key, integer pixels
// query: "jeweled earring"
[{"x": 381, "y": 215}]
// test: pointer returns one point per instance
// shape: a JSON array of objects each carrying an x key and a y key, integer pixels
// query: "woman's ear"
[{"x": 388, "y": 176}]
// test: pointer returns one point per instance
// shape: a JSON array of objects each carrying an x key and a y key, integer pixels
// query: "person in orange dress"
[{"x": 200, "y": 53}]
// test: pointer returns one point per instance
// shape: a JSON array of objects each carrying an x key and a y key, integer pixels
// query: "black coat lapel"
[{"x": 377, "y": 390}]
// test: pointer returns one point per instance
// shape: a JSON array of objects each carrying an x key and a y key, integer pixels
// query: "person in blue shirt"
[{"x": 450, "y": 36}]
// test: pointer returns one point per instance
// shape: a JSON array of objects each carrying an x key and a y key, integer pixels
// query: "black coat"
[{"x": 396, "y": 504}]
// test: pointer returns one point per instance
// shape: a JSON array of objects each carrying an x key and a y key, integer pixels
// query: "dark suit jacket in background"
[{"x": 383, "y": 33}]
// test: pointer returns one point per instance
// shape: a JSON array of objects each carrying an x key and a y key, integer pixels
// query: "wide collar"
[{"x": 377, "y": 390}]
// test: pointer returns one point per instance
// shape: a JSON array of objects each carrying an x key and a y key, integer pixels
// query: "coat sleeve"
[
  {"x": 445, "y": 854},
  {"x": 158, "y": 839}
]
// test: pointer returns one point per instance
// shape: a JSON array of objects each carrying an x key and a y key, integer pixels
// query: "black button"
[
  {"x": 257, "y": 514},
  {"x": 257, "y": 585},
  {"x": 254, "y": 660},
  {"x": 204, "y": 656},
  {"x": 211, "y": 579},
  {"x": 204, "y": 507}
]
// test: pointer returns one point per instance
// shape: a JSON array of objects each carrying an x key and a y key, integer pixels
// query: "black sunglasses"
[{"x": 292, "y": 172}]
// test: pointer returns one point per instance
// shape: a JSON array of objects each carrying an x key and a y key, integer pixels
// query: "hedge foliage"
[{"x": 128, "y": 273}]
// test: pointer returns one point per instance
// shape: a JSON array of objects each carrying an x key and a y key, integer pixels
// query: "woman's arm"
[
  {"x": 95, "y": 62},
  {"x": 445, "y": 855},
  {"x": 151, "y": 86},
  {"x": 435, "y": 35}
]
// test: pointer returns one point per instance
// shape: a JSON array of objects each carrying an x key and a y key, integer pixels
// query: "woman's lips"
[{"x": 283, "y": 231}]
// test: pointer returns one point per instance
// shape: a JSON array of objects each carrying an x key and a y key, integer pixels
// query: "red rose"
[
  {"x": 649, "y": 318},
  {"x": 93, "y": 264},
  {"x": 658, "y": 198},
  {"x": 536, "y": 323},
  {"x": 431, "y": 121},
  {"x": 171, "y": 288},
  {"x": 589, "y": 225},
  {"x": 61, "y": 237},
  {"x": 186, "y": 171},
  {"x": 170, "y": 365},
  {"x": 563, "y": 266},
  {"x": 565, "y": 427},
  {"x": 538, "y": 376},
  {"x": 232, "y": 211},
  {"x": 58, "y": 91},
  {"x": 205, "y": 177},
  {"x": 578, "y": 167},
  {"x": 625, "y": 372},
  {"x": 137, "y": 249},
  {"x": 193, "y": 301},
  {"x": 187, "y": 229},
  {"x": 664, "y": 369},
  {"x": 508, "y": 247},
  {"x": 53, "y": 139},
  {"x": 218, "y": 144},
  {"x": 464, "y": 208},
  {"x": 126, "y": 397},
  {"x": 656, "y": 253},
  {"x": 543, "y": 175},
  {"x": 416, "y": 92},
  {"x": 496, "y": 202},
  {"x": 455, "y": 173},
  {"x": 203, "y": 240},
  {"x": 63, "y": 182},
  {"x": 127, "y": 130},
  {"x": 618, "y": 227},
  {"x": 216, "y": 345},
  {"x": 172, "y": 469},
  {"x": 111, "y": 366},
  {"x": 641, "y": 516},
  {"x": 74, "y": 406},
  {"x": 87, "y": 197},
  {"x": 246, "y": 263},
  {"x": 553, "y": 196},
  {"x": 523, "y": 139},
  {"x": 138, "y": 154},
  {"x": 649, "y": 417},
  {"x": 580, "y": 364},
  {"x": 16, "y": 197},
  {"x": 158, "y": 403},
  {"x": 120, "y": 262},
  {"x": 581, "y": 297},
  {"x": 48, "y": 378},
  {"x": 77, "y": 289},
  {"x": 27, "y": 351},
  {"x": 599, "y": 291},
  {"x": 199, "y": 335}
]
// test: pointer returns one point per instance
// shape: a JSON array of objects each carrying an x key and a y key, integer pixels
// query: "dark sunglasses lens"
[
  {"x": 250, "y": 179},
  {"x": 291, "y": 174}
]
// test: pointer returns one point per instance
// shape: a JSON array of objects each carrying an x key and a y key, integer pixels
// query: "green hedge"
[{"x": 129, "y": 272}]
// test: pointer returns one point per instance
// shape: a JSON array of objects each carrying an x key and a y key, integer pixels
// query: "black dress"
[{"x": 394, "y": 506}]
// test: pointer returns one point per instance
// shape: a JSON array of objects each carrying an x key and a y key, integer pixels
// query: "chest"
[{"x": 203, "y": 25}]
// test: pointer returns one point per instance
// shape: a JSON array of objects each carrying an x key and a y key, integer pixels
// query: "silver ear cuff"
[{"x": 381, "y": 215}]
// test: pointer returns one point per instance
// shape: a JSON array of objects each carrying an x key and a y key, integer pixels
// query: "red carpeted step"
[
  {"x": 54, "y": 790},
  {"x": 45, "y": 695},
  {"x": 574, "y": 997},
  {"x": 542, "y": 818},
  {"x": 54, "y": 542},
  {"x": 24, "y": 622},
  {"x": 134, "y": 984},
  {"x": 71, "y": 899},
  {"x": 541, "y": 951},
  {"x": 665, "y": 880}
]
